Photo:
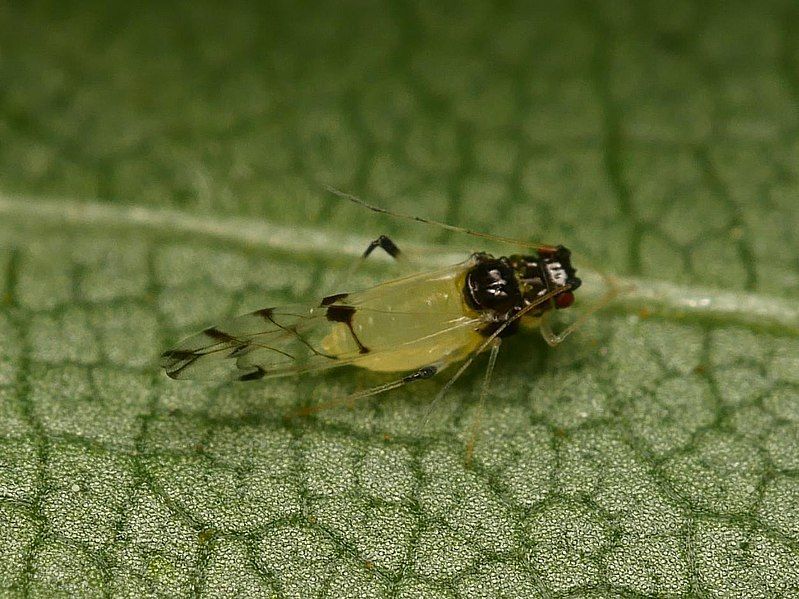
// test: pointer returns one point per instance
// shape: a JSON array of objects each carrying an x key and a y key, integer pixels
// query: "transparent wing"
[
  {"x": 285, "y": 341},
  {"x": 402, "y": 315},
  {"x": 267, "y": 342}
]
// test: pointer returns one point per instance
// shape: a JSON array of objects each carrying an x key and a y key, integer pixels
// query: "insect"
[{"x": 416, "y": 326}]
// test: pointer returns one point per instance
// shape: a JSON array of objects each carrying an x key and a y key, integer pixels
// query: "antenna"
[{"x": 427, "y": 221}]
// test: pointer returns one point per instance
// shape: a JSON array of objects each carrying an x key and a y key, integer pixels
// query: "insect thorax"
[{"x": 498, "y": 288}]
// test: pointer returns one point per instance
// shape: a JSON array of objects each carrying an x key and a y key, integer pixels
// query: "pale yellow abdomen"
[{"x": 407, "y": 324}]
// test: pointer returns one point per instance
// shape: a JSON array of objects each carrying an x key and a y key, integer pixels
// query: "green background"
[{"x": 161, "y": 167}]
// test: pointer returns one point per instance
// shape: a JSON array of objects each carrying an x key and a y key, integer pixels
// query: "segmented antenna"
[{"x": 507, "y": 240}]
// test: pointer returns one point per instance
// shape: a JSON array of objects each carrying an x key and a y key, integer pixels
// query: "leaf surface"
[{"x": 163, "y": 168}]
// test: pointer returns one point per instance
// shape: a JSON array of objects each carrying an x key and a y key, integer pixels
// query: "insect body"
[{"x": 418, "y": 324}]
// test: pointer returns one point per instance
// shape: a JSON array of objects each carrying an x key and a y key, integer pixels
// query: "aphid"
[{"x": 418, "y": 325}]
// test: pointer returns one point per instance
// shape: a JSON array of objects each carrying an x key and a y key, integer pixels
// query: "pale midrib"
[{"x": 653, "y": 295}]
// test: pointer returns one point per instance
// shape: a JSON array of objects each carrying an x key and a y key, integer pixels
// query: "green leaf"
[{"x": 162, "y": 168}]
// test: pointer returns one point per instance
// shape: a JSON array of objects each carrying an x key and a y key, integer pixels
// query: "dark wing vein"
[
  {"x": 292, "y": 339},
  {"x": 292, "y": 330},
  {"x": 247, "y": 347}
]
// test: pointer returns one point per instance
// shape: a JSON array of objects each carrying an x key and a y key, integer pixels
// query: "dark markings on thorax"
[
  {"x": 344, "y": 314},
  {"x": 491, "y": 288}
]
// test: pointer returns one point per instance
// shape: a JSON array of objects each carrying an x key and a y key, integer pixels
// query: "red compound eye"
[{"x": 564, "y": 300}]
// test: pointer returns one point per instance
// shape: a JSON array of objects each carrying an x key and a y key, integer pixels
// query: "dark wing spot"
[
  {"x": 178, "y": 354},
  {"x": 265, "y": 313},
  {"x": 218, "y": 335},
  {"x": 240, "y": 350},
  {"x": 331, "y": 299},
  {"x": 344, "y": 314},
  {"x": 340, "y": 314},
  {"x": 175, "y": 361},
  {"x": 256, "y": 374}
]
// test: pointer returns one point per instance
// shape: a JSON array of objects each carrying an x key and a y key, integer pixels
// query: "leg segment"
[
  {"x": 474, "y": 430},
  {"x": 383, "y": 242},
  {"x": 348, "y": 400},
  {"x": 386, "y": 244},
  {"x": 554, "y": 339}
]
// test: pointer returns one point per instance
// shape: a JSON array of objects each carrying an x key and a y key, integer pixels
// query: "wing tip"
[{"x": 174, "y": 361}]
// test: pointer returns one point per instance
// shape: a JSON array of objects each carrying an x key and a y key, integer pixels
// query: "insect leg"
[
  {"x": 478, "y": 416},
  {"x": 386, "y": 244},
  {"x": 483, "y": 346},
  {"x": 423, "y": 373},
  {"x": 383, "y": 242},
  {"x": 449, "y": 384},
  {"x": 554, "y": 339}
]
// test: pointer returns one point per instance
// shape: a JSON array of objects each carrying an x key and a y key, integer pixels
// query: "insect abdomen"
[{"x": 410, "y": 324}]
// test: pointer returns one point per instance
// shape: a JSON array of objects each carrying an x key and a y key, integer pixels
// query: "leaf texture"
[{"x": 162, "y": 168}]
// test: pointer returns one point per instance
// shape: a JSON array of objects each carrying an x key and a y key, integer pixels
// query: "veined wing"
[
  {"x": 374, "y": 327},
  {"x": 266, "y": 342}
]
